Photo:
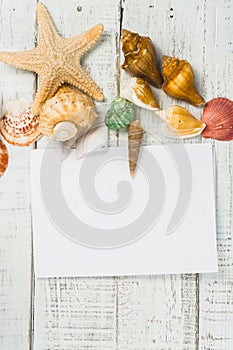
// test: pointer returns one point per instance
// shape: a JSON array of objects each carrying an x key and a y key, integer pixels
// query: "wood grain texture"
[
  {"x": 177, "y": 312},
  {"x": 16, "y": 33},
  {"x": 74, "y": 313},
  {"x": 216, "y": 290}
]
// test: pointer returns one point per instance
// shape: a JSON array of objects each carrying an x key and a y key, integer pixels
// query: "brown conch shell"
[
  {"x": 135, "y": 134},
  {"x": 179, "y": 81},
  {"x": 218, "y": 116},
  {"x": 4, "y": 158},
  {"x": 140, "y": 58},
  {"x": 180, "y": 122},
  {"x": 138, "y": 91},
  {"x": 68, "y": 112},
  {"x": 19, "y": 126}
]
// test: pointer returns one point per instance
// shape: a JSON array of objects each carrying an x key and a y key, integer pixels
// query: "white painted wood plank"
[
  {"x": 163, "y": 308},
  {"x": 17, "y": 28},
  {"x": 77, "y": 313},
  {"x": 216, "y": 290}
]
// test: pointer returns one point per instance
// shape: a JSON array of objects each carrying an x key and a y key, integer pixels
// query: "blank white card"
[{"x": 91, "y": 219}]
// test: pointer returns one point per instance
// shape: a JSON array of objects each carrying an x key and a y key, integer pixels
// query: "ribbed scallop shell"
[
  {"x": 180, "y": 122},
  {"x": 179, "y": 81},
  {"x": 68, "y": 105},
  {"x": 138, "y": 91},
  {"x": 218, "y": 116},
  {"x": 4, "y": 158},
  {"x": 120, "y": 114},
  {"x": 140, "y": 58},
  {"x": 19, "y": 126}
]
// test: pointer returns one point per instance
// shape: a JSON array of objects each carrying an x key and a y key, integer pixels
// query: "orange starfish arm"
[
  {"x": 80, "y": 44},
  {"x": 47, "y": 89},
  {"x": 47, "y": 32},
  {"x": 28, "y": 60},
  {"x": 80, "y": 79}
]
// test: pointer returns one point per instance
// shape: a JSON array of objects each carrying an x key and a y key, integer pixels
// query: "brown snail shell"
[
  {"x": 140, "y": 58},
  {"x": 179, "y": 81},
  {"x": 135, "y": 134}
]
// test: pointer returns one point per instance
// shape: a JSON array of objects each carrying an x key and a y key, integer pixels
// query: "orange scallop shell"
[
  {"x": 4, "y": 158},
  {"x": 218, "y": 117},
  {"x": 20, "y": 128}
]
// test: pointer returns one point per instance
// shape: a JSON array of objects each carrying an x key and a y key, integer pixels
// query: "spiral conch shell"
[
  {"x": 179, "y": 81},
  {"x": 180, "y": 122},
  {"x": 68, "y": 112},
  {"x": 218, "y": 116},
  {"x": 19, "y": 126},
  {"x": 4, "y": 158},
  {"x": 120, "y": 114},
  {"x": 140, "y": 58},
  {"x": 135, "y": 134},
  {"x": 138, "y": 91}
]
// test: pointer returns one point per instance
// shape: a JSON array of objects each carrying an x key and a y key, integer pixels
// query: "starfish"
[{"x": 56, "y": 60}]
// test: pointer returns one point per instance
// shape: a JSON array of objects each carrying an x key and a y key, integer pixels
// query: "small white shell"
[{"x": 64, "y": 131}]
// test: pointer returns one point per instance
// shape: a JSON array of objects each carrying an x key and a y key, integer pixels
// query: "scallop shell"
[
  {"x": 181, "y": 123},
  {"x": 135, "y": 134},
  {"x": 120, "y": 114},
  {"x": 4, "y": 158},
  {"x": 68, "y": 105},
  {"x": 138, "y": 91},
  {"x": 19, "y": 126},
  {"x": 179, "y": 81},
  {"x": 218, "y": 116},
  {"x": 140, "y": 58}
]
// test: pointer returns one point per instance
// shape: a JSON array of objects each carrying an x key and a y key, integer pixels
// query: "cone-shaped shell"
[
  {"x": 120, "y": 114},
  {"x": 180, "y": 122},
  {"x": 19, "y": 126},
  {"x": 4, "y": 158},
  {"x": 179, "y": 81},
  {"x": 138, "y": 91},
  {"x": 68, "y": 105},
  {"x": 135, "y": 134},
  {"x": 218, "y": 116},
  {"x": 140, "y": 58}
]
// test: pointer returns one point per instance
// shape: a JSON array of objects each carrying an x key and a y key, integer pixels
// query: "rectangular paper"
[{"x": 96, "y": 196}]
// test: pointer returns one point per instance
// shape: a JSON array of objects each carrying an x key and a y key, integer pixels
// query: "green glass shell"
[{"x": 120, "y": 114}]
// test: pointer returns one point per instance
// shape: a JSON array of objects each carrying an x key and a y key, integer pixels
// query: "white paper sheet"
[{"x": 189, "y": 248}]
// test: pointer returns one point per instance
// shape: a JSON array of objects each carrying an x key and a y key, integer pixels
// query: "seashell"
[
  {"x": 135, "y": 134},
  {"x": 19, "y": 126},
  {"x": 138, "y": 91},
  {"x": 179, "y": 81},
  {"x": 181, "y": 123},
  {"x": 68, "y": 105},
  {"x": 120, "y": 114},
  {"x": 140, "y": 58},
  {"x": 93, "y": 140},
  {"x": 218, "y": 116},
  {"x": 64, "y": 131},
  {"x": 4, "y": 158}
]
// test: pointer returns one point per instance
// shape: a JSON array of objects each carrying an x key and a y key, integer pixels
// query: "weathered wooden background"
[{"x": 177, "y": 312}]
